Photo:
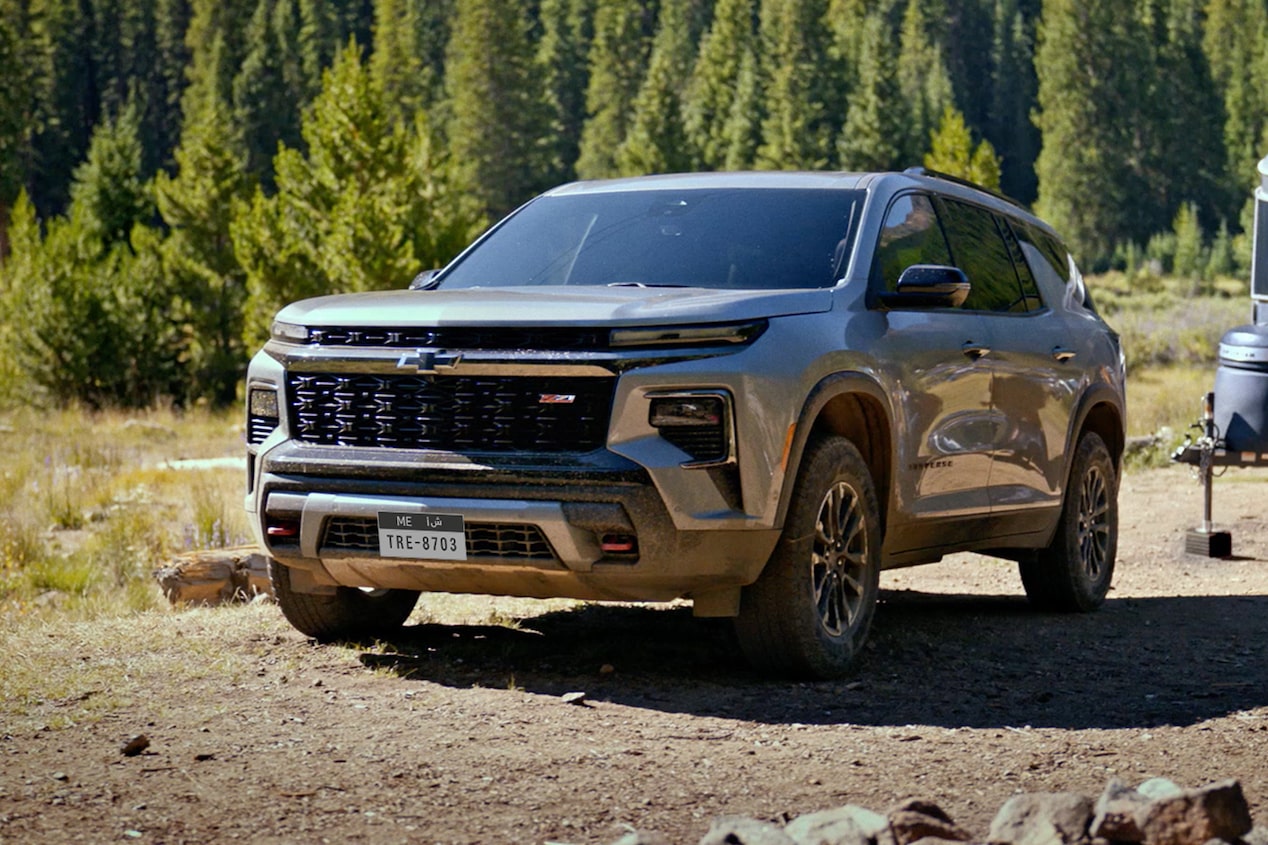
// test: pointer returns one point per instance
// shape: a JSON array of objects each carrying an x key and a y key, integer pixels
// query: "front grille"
[
  {"x": 496, "y": 540},
  {"x": 452, "y": 413},
  {"x": 483, "y": 337}
]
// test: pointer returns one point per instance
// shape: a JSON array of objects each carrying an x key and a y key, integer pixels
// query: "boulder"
[
  {"x": 1042, "y": 818},
  {"x": 848, "y": 825},
  {"x": 916, "y": 819},
  {"x": 1196, "y": 816}
]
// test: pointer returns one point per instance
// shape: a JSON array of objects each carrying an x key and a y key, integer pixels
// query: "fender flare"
[{"x": 827, "y": 389}]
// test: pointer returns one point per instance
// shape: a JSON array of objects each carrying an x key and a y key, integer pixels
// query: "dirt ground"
[{"x": 460, "y": 732}]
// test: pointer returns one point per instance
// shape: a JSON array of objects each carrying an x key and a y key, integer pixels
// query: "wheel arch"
[
  {"x": 1100, "y": 411},
  {"x": 852, "y": 406}
]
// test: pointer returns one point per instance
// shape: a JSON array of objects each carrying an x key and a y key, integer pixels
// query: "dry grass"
[{"x": 91, "y": 504}]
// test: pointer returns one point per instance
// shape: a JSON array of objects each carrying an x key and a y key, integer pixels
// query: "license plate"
[{"x": 422, "y": 536}]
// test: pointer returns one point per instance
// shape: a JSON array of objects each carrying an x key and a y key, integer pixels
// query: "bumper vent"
[
  {"x": 486, "y": 540},
  {"x": 702, "y": 444},
  {"x": 451, "y": 413}
]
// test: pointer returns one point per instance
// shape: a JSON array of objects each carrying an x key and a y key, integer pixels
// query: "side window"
[
  {"x": 1047, "y": 258},
  {"x": 1030, "y": 298},
  {"x": 978, "y": 249},
  {"x": 911, "y": 236}
]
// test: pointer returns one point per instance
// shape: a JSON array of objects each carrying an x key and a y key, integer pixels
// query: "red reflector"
[
  {"x": 619, "y": 544},
  {"x": 289, "y": 529}
]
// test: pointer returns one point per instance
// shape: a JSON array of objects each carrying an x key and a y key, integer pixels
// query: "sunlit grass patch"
[{"x": 91, "y": 504}]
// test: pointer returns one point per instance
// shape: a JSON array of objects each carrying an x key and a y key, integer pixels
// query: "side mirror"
[
  {"x": 928, "y": 286},
  {"x": 425, "y": 280}
]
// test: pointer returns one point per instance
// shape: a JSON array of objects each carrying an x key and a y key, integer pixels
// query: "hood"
[{"x": 553, "y": 306}]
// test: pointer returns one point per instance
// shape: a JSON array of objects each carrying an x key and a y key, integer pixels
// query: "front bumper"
[{"x": 533, "y": 534}]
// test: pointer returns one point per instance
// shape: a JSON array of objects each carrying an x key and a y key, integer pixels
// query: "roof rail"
[{"x": 935, "y": 174}]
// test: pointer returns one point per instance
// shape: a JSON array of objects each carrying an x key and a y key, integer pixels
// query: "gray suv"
[{"x": 754, "y": 391}]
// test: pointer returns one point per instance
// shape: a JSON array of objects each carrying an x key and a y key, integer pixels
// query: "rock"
[
  {"x": 737, "y": 830},
  {"x": 848, "y": 825},
  {"x": 916, "y": 819},
  {"x": 1042, "y": 818},
  {"x": 1218, "y": 811},
  {"x": 1156, "y": 788},
  {"x": 135, "y": 745},
  {"x": 1119, "y": 812}
]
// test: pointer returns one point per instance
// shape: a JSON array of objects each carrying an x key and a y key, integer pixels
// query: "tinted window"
[
  {"x": 739, "y": 238},
  {"x": 911, "y": 236},
  {"x": 978, "y": 248},
  {"x": 1030, "y": 298},
  {"x": 1047, "y": 258}
]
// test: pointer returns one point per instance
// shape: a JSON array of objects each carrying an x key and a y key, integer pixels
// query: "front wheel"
[
  {"x": 349, "y": 614},
  {"x": 808, "y": 613},
  {"x": 1073, "y": 574}
]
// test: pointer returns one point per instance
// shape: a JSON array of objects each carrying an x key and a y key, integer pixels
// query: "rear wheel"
[
  {"x": 350, "y": 613},
  {"x": 809, "y": 612},
  {"x": 1073, "y": 574}
]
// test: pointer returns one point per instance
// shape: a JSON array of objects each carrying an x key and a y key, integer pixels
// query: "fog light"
[
  {"x": 686, "y": 411},
  {"x": 698, "y": 423}
]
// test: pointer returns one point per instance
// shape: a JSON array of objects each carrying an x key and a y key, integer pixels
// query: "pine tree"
[
  {"x": 366, "y": 207},
  {"x": 874, "y": 124},
  {"x": 196, "y": 205},
  {"x": 17, "y": 108},
  {"x": 217, "y": 44},
  {"x": 567, "y": 29},
  {"x": 656, "y": 141},
  {"x": 922, "y": 78},
  {"x": 618, "y": 55},
  {"x": 1091, "y": 95},
  {"x": 267, "y": 96},
  {"x": 496, "y": 106},
  {"x": 715, "y": 77},
  {"x": 742, "y": 131},
  {"x": 172, "y": 59},
  {"x": 108, "y": 193},
  {"x": 396, "y": 59},
  {"x": 1235, "y": 42},
  {"x": 1183, "y": 151},
  {"x": 67, "y": 100},
  {"x": 802, "y": 86},
  {"x": 1190, "y": 259},
  {"x": 952, "y": 151},
  {"x": 1013, "y": 91}
]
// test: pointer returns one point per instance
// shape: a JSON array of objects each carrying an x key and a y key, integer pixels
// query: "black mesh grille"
[
  {"x": 464, "y": 338},
  {"x": 453, "y": 413},
  {"x": 499, "y": 540},
  {"x": 702, "y": 443},
  {"x": 259, "y": 428}
]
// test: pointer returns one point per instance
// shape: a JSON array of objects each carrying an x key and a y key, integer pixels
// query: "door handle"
[
  {"x": 975, "y": 350},
  {"x": 1062, "y": 354}
]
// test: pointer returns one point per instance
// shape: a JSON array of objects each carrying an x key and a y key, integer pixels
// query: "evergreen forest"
[{"x": 174, "y": 171}]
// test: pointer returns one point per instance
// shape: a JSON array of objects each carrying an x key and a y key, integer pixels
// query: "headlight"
[
  {"x": 289, "y": 332},
  {"x": 728, "y": 333}
]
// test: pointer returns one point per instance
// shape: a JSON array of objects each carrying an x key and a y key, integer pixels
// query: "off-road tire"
[
  {"x": 349, "y": 614},
  {"x": 1073, "y": 574},
  {"x": 808, "y": 613}
]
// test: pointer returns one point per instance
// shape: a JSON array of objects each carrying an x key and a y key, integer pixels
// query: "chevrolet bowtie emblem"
[{"x": 428, "y": 360}]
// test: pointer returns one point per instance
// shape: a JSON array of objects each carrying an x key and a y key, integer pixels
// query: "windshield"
[{"x": 756, "y": 238}]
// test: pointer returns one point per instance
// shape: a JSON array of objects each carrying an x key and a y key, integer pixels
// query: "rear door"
[{"x": 1037, "y": 367}]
